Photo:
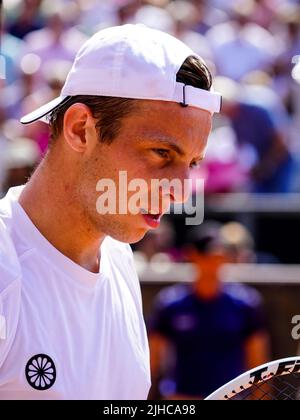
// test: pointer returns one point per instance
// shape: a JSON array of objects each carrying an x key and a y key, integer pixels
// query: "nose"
[{"x": 180, "y": 187}]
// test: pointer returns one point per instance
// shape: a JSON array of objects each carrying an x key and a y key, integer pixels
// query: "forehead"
[{"x": 170, "y": 119}]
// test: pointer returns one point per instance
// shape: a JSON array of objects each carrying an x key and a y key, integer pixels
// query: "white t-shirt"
[{"x": 65, "y": 332}]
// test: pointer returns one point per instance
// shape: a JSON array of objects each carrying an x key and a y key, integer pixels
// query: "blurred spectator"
[
  {"x": 263, "y": 12},
  {"x": 224, "y": 169},
  {"x": 11, "y": 50},
  {"x": 190, "y": 28},
  {"x": 289, "y": 34},
  {"x": 97, "y": 15},
  {"x": 27, "y": 18},
  {"x": 155, "y": 17},
  {"x": 58, "y": 40},
  {"x": 15, "y": 93},
  {"x": 258, "y": 90},
  {"x": 20, "y": 160},
  {"x": 295, "y": 126},
  {"x": 257, "y": 134},
  {"x": 215, "y": 331},
  {"x": 208, "y": 15},
  {"x": 240, "y": 46},
  {"x": 3, "y": 147},
  {"x": 54, "y": 76},
  {"x": 126, "y": 10}
]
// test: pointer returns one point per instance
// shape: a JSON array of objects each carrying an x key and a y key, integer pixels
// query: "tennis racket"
[{"x": 277, "y": 380}]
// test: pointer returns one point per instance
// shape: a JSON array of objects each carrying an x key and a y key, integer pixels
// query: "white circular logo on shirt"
[{"x": 40, "y": 372}]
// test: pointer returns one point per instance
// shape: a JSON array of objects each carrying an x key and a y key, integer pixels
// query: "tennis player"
[{"x": 71, "y": 327}]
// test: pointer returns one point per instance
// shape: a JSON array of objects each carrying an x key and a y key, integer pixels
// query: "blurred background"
[{"x": 224, "y": 293}]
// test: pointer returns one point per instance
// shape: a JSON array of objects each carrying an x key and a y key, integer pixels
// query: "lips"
[{"x": 152, "y": 219}]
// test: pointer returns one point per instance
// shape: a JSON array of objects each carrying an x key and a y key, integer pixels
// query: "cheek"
[
  {"x": 105, "y": 166},
  {"x": 96, "y": 170},
  {"x": 140, "y": 170}
]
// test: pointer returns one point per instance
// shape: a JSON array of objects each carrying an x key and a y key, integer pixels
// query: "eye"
[
  {"x": 195, "y": 164},
  {"x": 164, "y": 153}
]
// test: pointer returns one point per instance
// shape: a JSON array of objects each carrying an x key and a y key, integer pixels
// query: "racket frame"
[{"x": 258, "y": 375}]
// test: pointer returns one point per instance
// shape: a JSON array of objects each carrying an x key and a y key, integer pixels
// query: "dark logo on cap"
[{"x": 40, "y": 372}]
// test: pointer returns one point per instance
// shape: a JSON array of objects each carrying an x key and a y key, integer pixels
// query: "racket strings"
[{"x": 285, "y": 387}]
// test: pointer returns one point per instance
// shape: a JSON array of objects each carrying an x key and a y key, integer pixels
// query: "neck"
[
  {"x": 207, "y": 288},
  {"x": 49, "y": 199}
]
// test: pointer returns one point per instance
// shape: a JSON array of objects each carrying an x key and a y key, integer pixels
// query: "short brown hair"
[{"x": 110, "y": 111}]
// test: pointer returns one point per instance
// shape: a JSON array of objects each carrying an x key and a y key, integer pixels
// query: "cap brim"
[{"x": 43, "y": 110}]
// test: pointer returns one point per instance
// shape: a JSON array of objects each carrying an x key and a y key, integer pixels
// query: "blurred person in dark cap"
[
  {"x": 211, "y": 331},
  {"x": 259, "y": 136}
]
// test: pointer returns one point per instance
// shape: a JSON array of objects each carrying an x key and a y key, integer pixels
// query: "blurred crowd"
[{"x": 250, "y": 46}]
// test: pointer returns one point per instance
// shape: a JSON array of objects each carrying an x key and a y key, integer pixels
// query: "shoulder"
[
  {"x": 10, "y": 270},
  {"x": 171, "y": 297},
  {"x": 243, "y": 295},
  {"x": 9, "y": 262},
  {"x": 10, "y": 291},
  {"x": 258, "y": 111}
]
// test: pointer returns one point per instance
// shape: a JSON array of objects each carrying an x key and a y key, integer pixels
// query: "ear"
[{"x": 79, "y": 128}]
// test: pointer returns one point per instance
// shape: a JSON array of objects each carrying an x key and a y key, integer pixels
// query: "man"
[
  {"x": 216, "y": 331},
  {"x": 70, "y": 303},
  {"x": 256, "y": 132}
]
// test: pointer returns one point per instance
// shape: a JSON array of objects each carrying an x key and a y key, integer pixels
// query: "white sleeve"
[
  {"x": 9, "y": 316},
  {"x": 10, "y": 292},
  {"x": 133, "y": 278}
]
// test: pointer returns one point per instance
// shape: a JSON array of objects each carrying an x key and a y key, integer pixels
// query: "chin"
[
  {"x": 138, "y": 237},
  {"x": 130, "y": 237}
]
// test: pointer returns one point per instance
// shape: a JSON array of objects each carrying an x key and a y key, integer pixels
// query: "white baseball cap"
[{"x": 130, "y": 61}]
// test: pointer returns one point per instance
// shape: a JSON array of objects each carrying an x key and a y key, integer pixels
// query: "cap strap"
[{"x": 188, "y": 95}]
